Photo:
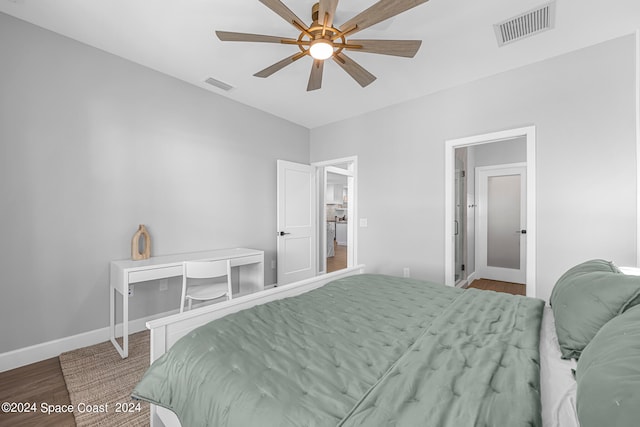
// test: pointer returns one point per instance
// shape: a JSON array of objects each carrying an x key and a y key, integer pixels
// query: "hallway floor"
[
  {"x": 339, "y": 260},
  {"x": 495, "y": 285}
]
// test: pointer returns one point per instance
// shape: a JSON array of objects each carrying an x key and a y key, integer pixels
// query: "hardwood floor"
[
  {"x": 339, "y": 260},
  {"x": 495, "y": 285},
  {"x": 38, "y": 383}
]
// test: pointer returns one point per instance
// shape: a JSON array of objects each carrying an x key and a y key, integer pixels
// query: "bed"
[{"x": 355, "y": 349}]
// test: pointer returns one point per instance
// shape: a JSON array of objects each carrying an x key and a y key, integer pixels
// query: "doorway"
[
  {"x": 462, "y": 205},
  {"x": 302, "y": 216},
  {"x": 336, "y": 209},
  {"x": 336, "y": 206}
]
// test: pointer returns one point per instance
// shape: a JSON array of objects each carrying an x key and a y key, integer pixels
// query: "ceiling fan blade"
[
  {"x": 278, "y": 7},
  {"x": 315, "y": 78},
  {"x": 405, "y": 48},
  {"x": 228, "y": 36},
  {"x": 379, "y": 12},
  {"x": 279, "y": 65},
  {"x": 327, "y": 6},
  {"x": 355, "y": 70}
]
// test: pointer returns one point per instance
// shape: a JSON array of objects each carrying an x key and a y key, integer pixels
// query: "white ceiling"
[{"x": 176, "y": 37}]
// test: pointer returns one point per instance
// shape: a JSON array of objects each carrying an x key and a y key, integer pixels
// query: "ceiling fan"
[{"x": 322, "y": 40}]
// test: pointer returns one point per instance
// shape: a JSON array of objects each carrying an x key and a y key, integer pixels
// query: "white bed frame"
[{"x": 167, "y": 330}]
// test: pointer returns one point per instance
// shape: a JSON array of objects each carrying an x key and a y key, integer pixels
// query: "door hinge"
[
  {"x": 464, "y": 174},
  {"x": 462, "y": 267}
]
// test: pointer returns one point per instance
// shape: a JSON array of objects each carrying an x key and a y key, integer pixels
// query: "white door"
[
  {"x": 296, "y": 222},
  {"x": 501, "y": 239}
]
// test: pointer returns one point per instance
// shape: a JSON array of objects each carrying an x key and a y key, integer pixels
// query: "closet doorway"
[{"x": 466, "y": 240}]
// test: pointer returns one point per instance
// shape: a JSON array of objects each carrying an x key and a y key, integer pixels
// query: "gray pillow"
[
  {"x": 585, "y": 298},
  {"x": 608, "y": 374}
]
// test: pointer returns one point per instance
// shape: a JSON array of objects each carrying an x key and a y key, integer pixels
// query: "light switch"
[{"x": 363, "y": 222}]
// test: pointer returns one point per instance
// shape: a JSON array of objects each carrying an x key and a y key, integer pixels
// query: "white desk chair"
[{"x": 205, "y": 291}]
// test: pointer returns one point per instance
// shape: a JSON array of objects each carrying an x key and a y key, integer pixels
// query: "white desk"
[{"x": 125, "y": 272}]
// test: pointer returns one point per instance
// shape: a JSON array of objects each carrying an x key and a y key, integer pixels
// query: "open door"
[{"x": 296, "y": 222}]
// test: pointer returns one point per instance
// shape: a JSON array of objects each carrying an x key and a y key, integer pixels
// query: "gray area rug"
[{"x": 100, "y": 383}]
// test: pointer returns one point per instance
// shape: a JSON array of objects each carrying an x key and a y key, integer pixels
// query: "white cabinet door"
[
  {"x": 341, "y": 233},
  {"x": 334, "y": 194}
]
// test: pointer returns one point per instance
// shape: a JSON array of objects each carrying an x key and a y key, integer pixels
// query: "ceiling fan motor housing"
[{"x": 321, "y": 47}]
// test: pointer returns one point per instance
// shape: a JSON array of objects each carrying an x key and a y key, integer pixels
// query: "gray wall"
[
  {"x": 583, "y": 106},
  {"x": 92, "y": 145}
]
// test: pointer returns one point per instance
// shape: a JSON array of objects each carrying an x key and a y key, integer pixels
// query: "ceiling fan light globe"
[{"x": 321, "y": 49}]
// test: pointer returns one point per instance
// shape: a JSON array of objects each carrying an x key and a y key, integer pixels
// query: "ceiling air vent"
[
  {"x": 218, "y": 84},
  {"x": 527, "y": 24}
]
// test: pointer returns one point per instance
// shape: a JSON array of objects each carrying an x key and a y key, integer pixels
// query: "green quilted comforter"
[{"x": 367, "y": 350}]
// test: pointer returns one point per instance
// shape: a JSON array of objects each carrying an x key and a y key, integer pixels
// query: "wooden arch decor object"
[{"x": 142, "y": 233}]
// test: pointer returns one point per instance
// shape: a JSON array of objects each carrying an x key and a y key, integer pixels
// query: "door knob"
[
  {"x": 282, "y": 233},
  {"x": 521, "y": 231}
]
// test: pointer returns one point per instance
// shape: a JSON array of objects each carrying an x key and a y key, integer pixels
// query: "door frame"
[
  {"x": 352, "y": 210},
  {"x": 481, "y": 248},
  {"x": 529, "y": 133}
]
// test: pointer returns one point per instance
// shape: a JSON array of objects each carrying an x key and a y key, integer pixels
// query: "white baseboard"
[
  {"x": 471, "y": 278},
  {"x": 36, "y": 353},
  {"x": 464, "y": 284}
]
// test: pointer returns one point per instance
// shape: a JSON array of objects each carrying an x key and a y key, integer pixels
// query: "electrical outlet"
[
  {"x": 164, "y": 284},
  {"x": 130, "y": 290},
  {"x": 406, "y": 272}
]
